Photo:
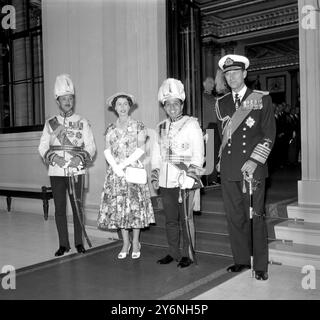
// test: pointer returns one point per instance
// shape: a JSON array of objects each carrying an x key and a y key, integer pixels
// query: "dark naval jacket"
[{"x": 254, "y": 137}]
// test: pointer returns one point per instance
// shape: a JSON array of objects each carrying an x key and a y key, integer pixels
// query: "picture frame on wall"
[{"x": 276, "y": 84}]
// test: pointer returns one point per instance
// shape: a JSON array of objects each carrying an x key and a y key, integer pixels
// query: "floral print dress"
[{"x": 124, "y": 205}]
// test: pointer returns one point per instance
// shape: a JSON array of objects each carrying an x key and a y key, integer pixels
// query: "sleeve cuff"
[
  {"x": 155, "y": 175},
  {"x": 48, "y": 157},
  {"x": 261, "y": 152}
]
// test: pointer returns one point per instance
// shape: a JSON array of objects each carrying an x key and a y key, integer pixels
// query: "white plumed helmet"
[
  {"x": 63, "y": 86},
  {"x": 171, "y": 88}
]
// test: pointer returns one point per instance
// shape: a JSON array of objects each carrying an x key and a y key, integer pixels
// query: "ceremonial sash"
[
  {"x": 233, "y": 125},
  {"x": 252, "y": 102},
  {"x": 59, "y": 131}
]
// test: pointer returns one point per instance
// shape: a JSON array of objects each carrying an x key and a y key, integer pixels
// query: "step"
[
  {"x": 210, "y": 202},
  {"x": 309, "y": 213},
  {"x": 212, "y": 206},
  {"x": 213, "y": 243},
  {"x": 205, "y": 242},
  {"x": 209, "y": 222},
  {"x": 297, "y": 255},
  {"x": 304, "y": 233}
]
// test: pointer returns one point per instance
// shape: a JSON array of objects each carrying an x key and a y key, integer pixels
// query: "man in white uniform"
[
  {"x": 177, "y": 160},
  {"x": 67, "y": 147}
]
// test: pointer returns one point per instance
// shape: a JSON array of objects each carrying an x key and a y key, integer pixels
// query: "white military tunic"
[
  {"x": 73, "y": 129},
  {"x": 177, "y": 142}
]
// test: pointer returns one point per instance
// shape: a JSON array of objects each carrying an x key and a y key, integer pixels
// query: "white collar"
[{"x": 241, "y": 93}]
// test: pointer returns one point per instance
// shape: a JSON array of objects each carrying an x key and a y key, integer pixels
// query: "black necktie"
[{"x": 236, "y": 101}]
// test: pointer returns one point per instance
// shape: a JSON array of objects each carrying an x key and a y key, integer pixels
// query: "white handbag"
[{"x": 136, "y": 175}]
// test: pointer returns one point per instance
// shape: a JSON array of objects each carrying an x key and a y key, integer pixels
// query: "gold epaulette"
[{"x": 264, "y": 93}]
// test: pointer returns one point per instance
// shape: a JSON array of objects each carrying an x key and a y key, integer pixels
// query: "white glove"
[
  {"x": 112, "y": 162},
  {"x": 185, "y": 182},
  {"x": 118, "y": 171},
  {"x": 60, "y": 161},
  {"x": 132, "y": 158},
  {"x": 188, "y": 183},
  {"x": 206, "y": 138}
]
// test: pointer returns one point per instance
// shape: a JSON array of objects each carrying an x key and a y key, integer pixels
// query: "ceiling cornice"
[
  {"x": 221, "y": 6},
  {"x": 254, "y": 22},
  {"x": 274, "y": 62},
  {"x": 252, "y": 34}
]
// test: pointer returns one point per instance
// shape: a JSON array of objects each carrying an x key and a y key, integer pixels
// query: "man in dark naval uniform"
[{"x": 247, "y": 126}]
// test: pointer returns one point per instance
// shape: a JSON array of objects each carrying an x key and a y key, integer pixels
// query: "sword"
[
  {"x": 78, "y": 208},
  {"x": 189, "y": 225},
  {"x": 184, "y": 199},
  {"x": 249, "y": 178}
]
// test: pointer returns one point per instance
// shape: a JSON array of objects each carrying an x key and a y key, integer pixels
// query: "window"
[{"x": 21, "y": 69}]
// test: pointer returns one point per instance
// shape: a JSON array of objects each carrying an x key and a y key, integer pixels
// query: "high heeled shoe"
[
  {"x": 123, "y": 254},
  {"x": 136, "y": 255}
]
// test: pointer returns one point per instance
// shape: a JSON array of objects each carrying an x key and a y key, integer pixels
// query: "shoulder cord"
[
  {"x": 225, "y": 120},
  {"x": 226, "y": 123}
]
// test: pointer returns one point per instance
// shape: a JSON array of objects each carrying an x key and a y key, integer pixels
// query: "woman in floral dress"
[{"x": 124, "y": 205}]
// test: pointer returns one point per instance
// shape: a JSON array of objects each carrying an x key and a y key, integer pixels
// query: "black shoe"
[
  {"x": 80, "y": 248},
  {"x": 61, "y": 251},
  {"x": 238, "y": 267},
  {"x": 261, "y": 275},
  {"x": 197, "y": 213},
  {"x": 184, "y": 262},
  {"x": 167, "y": 259}
]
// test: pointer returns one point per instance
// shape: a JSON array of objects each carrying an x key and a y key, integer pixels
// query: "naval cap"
[{"x": 233, "y": 62}]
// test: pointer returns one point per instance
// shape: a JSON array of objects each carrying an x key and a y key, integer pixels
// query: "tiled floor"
[{"x": 28, "y": 239}]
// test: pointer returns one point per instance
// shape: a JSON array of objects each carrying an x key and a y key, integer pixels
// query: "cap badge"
[{"x": 229, "y": 62}]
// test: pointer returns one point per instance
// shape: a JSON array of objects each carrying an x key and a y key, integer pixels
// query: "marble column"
[{"x": 309, "y": 43}]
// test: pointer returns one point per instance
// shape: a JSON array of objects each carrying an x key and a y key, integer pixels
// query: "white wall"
[{"x": 21, "y": 167}]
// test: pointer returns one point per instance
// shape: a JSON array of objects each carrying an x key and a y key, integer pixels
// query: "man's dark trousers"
[
  {"x": 60, "y": 186},
  {"x": 237, "y": 206},
  {"x": 174, "y": 218}
]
